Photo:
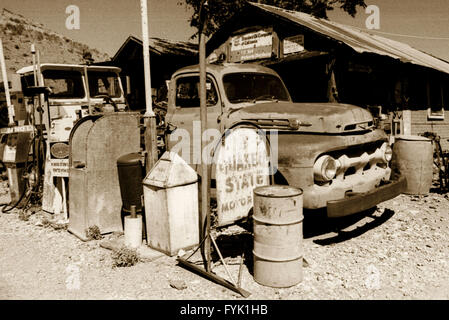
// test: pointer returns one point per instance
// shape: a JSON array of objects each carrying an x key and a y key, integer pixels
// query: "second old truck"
[
  {"x": 332, "y": 151},
  {"x": 75, "y": 91}
]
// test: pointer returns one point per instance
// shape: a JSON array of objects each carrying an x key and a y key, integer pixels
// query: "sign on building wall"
[
  {"x": 251, "y": 46},
  {"x": 242, "y": 164},
  {"x": 293, "y": 44}
]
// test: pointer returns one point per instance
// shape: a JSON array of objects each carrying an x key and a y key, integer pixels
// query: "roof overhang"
[
  {"x": 160, "y": 47},
  {"x": 354, "y": 38}
]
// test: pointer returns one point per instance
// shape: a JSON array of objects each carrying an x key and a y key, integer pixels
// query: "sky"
[
  {"x": 417, "y": 18},
  {"x": 105, "y": 24}
]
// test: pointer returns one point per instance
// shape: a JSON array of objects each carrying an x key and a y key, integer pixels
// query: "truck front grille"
[{"x": 360, "y": 159}]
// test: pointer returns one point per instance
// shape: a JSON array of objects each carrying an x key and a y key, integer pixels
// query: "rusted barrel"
[
  {"x": 278, "y": 236},
  {"x": 413, "y": 158}
]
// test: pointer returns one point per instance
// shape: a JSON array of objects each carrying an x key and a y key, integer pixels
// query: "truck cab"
[
  {"x": 69, "y": 86},
  {"x": 75, "y": 91},
  {"x": 332, "y": 151}
]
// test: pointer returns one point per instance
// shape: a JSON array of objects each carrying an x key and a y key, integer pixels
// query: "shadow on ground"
[
  {"x": 235, "y": 246},
  {"x": 317, "y": 224}
]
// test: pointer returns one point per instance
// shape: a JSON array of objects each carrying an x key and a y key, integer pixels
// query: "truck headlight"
[
  {"x": 388, "y": 153},
  {"x": 325, "y": 168}
]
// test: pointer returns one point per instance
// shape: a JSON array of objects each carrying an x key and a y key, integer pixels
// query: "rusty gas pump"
[
  {"x": 18, "y": 141},
  {"x": 23, "y": 156},
  {"x": 15, "y": 158}
]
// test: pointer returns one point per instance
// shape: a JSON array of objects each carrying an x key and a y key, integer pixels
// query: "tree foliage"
[{"x": 218, "y": 11}]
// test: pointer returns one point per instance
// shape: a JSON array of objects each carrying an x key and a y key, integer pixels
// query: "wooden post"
[
  {"x": 6, "y": 86},
  {"x": 149, "y": 117},
  {"x": 205, "y": 201}
]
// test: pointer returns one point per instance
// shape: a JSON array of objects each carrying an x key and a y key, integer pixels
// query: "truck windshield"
[
  {"x": 64, "y": 84},
  {"x": 241, "y": 87},
  {"x": 103, "y": 83},
  {"x": 187, "y": 92}
]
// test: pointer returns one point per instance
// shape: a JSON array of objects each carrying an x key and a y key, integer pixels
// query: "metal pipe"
[
  {"x": 6, "y": 86},
  {"x": 213, "y": 277},
  {"x": 89, "y": 102},
  {"x": 222, "y": 260},
  {"x": 40, "y": 133},
  {"x": 33, "y": 52},
  {"x": 146, "y": 58},
  {"x": 149, "y": 117}
]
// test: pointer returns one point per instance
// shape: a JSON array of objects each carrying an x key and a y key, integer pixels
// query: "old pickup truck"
[{"x": 332, "y": 151}]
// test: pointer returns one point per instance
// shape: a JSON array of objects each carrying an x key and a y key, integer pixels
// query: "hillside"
[{"x": 18, "y": 33}]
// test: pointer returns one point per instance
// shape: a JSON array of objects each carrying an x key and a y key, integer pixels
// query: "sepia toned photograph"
[{"x": 244, "y": 152}]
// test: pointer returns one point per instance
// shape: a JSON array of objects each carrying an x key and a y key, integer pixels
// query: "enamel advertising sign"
[{"x": 242, "y": 164}]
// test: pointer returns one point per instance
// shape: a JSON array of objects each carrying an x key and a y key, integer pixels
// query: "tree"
[{"x": 219, "y": 11}]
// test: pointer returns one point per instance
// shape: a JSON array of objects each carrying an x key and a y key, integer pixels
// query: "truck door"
[{"x": 184, "y": 114}]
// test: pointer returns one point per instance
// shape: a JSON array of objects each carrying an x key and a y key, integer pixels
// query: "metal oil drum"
[
  {"x": 278, "y": 253},
  {"x": 413, "y": 159}
]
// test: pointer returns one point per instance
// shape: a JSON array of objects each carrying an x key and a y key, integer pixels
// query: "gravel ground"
[{"x": 400, "y": 250}]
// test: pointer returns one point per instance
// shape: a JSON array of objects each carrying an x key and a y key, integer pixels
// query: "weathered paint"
[
  {"x": 171, "y": 205},
  {"x": 94, "y": 192},
  {"x": 312, "y": 117},
  {"x": 416, "y": 166},
  {"x": 278, "y": 251},
  {"x": 306, "y": 131},
  {"x": 242, "y": 164}
]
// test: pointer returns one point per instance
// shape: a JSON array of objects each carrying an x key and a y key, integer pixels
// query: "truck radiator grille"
[{"x": 359, "y": 159}]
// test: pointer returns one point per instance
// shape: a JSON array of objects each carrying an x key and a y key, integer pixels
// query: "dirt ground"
[{"x": 399, "y": 250}]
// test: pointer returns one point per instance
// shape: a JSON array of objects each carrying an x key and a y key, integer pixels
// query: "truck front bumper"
[{"x": 357, "y": 202}]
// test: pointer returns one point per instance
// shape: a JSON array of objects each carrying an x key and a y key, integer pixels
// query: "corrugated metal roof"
[
  {"x": 163, "y": 47},
  {"x": 360, "y": 41}
]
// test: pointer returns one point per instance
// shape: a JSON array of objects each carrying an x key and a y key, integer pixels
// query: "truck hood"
[{"x": 305, "y": 117}]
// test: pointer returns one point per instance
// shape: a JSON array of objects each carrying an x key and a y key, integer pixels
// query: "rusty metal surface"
[
  {"x": 171, "y": 205},
  {"x": 360, "y": 171},
  {"x": 417, "y": 167},
  {"x": 312, "y": 117},
  {"x": 305, "y": 131},
  {"x": 160, "y": 46},
  {"x": 363, "y": 201},
  {"x": 278, "y": 236},
  {"x": 297, "y": 152},
  {"x": 96, "y": 144},
  {"x": 360, "y": 41},
  {"x": 242, "y": 163}
]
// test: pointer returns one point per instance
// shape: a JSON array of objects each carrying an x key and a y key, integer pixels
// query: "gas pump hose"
[{"x": 4, "y": 210}]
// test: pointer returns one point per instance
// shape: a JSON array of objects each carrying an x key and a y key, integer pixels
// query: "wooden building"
[
  {"x": 165, "y": 58},
  {"x": 320, "y": 61}
]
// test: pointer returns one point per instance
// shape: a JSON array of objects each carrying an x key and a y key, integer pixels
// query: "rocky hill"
[{"x": 18, "y": 33}]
